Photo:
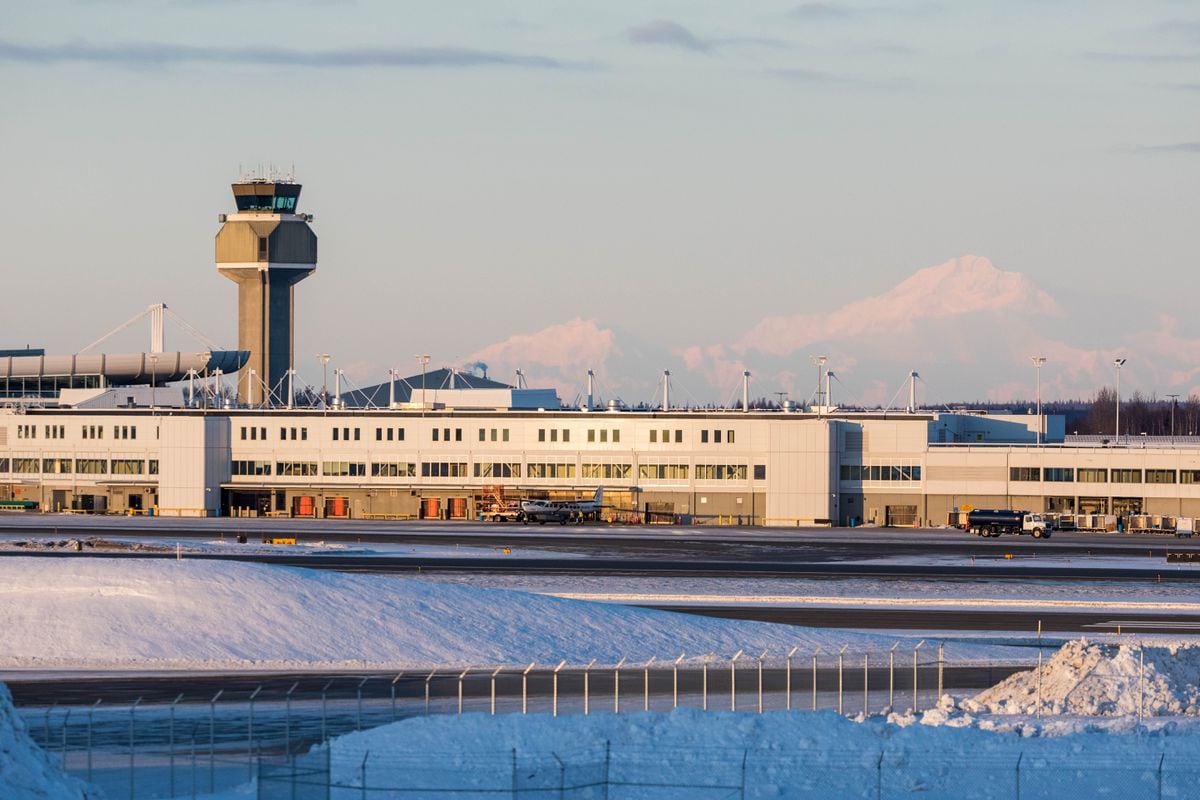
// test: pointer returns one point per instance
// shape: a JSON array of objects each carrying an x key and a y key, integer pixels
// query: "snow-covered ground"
[
  {"x": 1098, "y": 717},
  {"x": 153, "y": 615}
]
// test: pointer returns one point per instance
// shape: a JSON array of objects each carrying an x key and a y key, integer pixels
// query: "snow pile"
[
  {"x": 26, "y": 772},
  {"x": 1090, "y": 679},
  {"x": 85, "y": 613}
]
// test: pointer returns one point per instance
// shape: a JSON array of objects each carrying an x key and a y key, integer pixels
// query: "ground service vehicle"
[{"x": 993, "y": 522}]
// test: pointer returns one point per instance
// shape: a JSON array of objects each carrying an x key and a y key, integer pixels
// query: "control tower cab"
[{"x": 266, "y": 248}]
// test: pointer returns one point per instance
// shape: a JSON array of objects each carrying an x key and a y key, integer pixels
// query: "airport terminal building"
[{"x": 105, "y": 434}]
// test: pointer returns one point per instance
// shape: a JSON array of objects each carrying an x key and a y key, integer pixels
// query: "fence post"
[
  {"x": 704, "y": 683},
  {"x": 646, "y": 684},
  {"x": 324, "y": 691},
  {"x": 840, "y": 654},
  {"x": 1019, "y": 757},
  {"x": 562, "y": 776},
  {"x": 525, "y": 688},
  {"x": 250, "y": 736},
  {"x": 814, "y": 679},
  {"x": 607, "y": 764},
  {"x": 916, "y": 650},
  {"x": 66, "y": 722},
  {"x": 555, "y": 692},
  {"x": 1141, "y": 679},
  {"x": 879, "y": 777},
  {"x": 398, "y": 676},
  {"x": 287, "y": 735},
  {"x": 788, "y": 679},
  {"x": 733, "y": 680},
  {"x": 462, "y": 676},
  {"x": 617, "y": 686},
  {"x": 362, "y": 781},
  {"x": 193, "y": 782},
  {"x": 428, "y": 678},
  {"x": 586, "y": 688},
  {"x": 212, "y": 740},
  {"x": 91, "y": 710},
  {"x": 866, "y": 682},
  {"x": 760, "y": 681},
  {"x": 132, "y": 709},
  {"x": 941, "y": 667},
  {"x": 892, "y": 676},
  {"x": 358, "y": 694},
  {"x": 745, "y": 755},
  {"x": 1161, "y": 756},
  {"x": 514, "y": 773},
  {"x": 495, "y": 672},
  {"x": 675, "y": 682}
]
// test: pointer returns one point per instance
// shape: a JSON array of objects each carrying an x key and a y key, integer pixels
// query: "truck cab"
[{"x": 1035, "y": 524}]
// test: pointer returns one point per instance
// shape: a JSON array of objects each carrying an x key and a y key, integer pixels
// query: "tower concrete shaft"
[{"x": 266, "y": 248}]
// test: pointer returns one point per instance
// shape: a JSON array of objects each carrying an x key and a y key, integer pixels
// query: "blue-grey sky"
[{"x": 629, "y": 186}]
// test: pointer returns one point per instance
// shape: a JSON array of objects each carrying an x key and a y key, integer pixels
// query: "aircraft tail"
[{"x": 598, "y": 498}]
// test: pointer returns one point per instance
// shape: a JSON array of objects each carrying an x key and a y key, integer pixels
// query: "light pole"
[
  {"x": 423, "y": 359},
  {"x": 820, "y": 362},
  {"x": 1037, "y": 363},
  {"x": 324, "y": 359},
  {"x": 1174, "y": 402},
  {"x": 1118, "y": 363}
]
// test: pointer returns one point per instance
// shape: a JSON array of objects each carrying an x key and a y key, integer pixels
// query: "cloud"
[
  {"x": 1186, "y": 28},
  {"x": 820, "y": 12},
  {"x": 558, "y": 354},
  {"x": 668, "y": 33},
  {"x": 963, "y": 286},
  {"x": 1177, "y": 147},
  {"x": 161, "y": 54},
  {"x": 1144, "y": 58},
  {"x": 1182, "y": 87},
  {"x": 813, "y": 77}
]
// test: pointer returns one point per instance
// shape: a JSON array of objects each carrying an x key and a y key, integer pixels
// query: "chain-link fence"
[
  {"x": 616, "y": 772},
  {"x": 143, "y": 738}
]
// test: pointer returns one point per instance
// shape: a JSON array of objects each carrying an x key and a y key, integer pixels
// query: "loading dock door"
[{"x": 900, "y": 516}]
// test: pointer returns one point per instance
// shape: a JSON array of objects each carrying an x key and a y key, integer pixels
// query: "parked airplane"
[{"x": 563, "y": 511}]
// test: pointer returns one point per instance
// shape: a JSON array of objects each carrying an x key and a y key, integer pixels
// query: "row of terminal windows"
[
  {"x": 345, "y": 434},
  {"x": 490, "y": 435},
  {"x": 603, "y": 434},
  {"x": 716, "y": 437},
  {"x": 391, "y": 434},
  {"x": 1102, "y": 475},
  {"x": 566, "y": 434},
  {"x": 880, "y": 472},
  {"x": 705, "y": 472},
  {"x": 503, "y": 469},
  {"x": 666, "y": 436},
  {"x": 28, "y": 431},
  {"x": 80, "y": 466},
  {"x": 445, "y": 434}
]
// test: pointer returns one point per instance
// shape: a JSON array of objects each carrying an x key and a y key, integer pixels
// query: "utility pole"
[
  {"x": 1118, "y": 363},
  {"x": 324, "y": 359},
  {"x": 424, "y": 360},
  {"x": 1174, "y": 402},
  {"x": 1037, "y": 363}
]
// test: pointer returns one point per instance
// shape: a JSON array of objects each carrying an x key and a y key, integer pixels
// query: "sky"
[{"x": 629, "y": 187}]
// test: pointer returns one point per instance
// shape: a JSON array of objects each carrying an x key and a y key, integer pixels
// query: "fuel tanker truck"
[{"x": 993, "y": 522}]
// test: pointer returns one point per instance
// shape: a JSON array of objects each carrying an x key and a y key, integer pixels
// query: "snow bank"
[
  {"x": 1090, "y": 679},
  {"x": 787, "y": 755},
  {"x": 103, "y": 614},
  {"x": 26, "y": 772}
]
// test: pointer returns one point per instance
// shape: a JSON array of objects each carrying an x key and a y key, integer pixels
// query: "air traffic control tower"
[{"x": 266, "y": 248}]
